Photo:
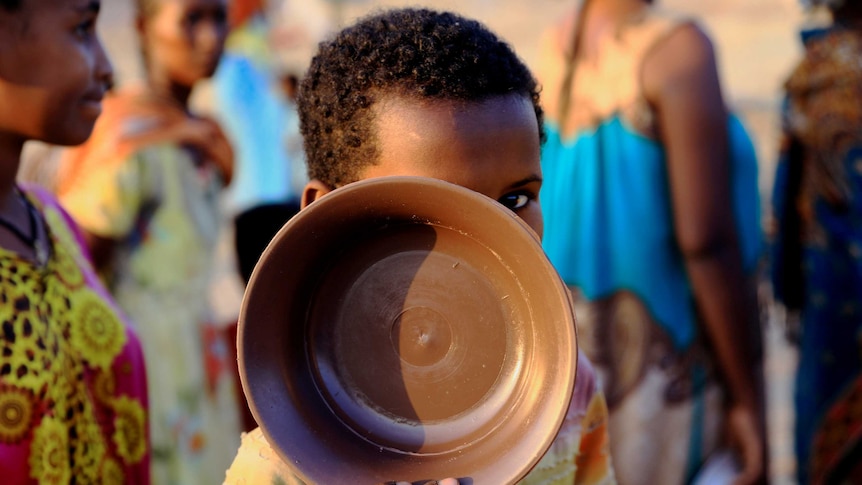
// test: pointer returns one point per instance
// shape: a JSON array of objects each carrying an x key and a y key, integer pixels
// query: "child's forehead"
[
  {"x": 445, "y": 138},
  {"x": 419, "y": 106},
  {"x": 466, "y": 133}
]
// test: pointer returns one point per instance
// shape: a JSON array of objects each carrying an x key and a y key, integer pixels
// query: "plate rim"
[{"x": 381, "y": 183}]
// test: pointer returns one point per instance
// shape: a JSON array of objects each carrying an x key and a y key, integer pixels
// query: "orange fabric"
[
  {"x": 593, "y": 467},
  {"x": 839, "y": 435},
  {"x": 134, "y": 119},
  {"x": 241, "y": 10}
]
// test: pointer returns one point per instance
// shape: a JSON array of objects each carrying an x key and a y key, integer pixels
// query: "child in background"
[
  {"x": 73, "y": 392},
  {"x": 417, "y": 92},
  {"x": 146, "y": 189}
]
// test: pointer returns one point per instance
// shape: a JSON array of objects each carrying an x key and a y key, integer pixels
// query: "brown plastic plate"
[{"x": 405, "y": 328}]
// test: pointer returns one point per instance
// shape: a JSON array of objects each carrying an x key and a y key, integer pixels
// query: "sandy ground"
[{"x": 756, "y": 46}]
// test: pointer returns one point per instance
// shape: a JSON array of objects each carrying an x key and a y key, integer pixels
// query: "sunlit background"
[{"x": 756, "y": 42}]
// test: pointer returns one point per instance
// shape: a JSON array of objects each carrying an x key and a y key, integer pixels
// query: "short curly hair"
[{"x": 415, "y": 53}]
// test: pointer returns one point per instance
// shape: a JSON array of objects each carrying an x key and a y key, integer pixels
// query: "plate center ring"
[{"x": 421, "y": 336}]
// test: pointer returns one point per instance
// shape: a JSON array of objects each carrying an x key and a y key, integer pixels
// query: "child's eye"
[{"x": 515, "y": 201}]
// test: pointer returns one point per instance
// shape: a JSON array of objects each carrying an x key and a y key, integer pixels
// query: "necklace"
[{"x": 33, "y": 240}]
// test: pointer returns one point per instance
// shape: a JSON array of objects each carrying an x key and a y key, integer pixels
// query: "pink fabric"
[{"x": 124, "y": 433}]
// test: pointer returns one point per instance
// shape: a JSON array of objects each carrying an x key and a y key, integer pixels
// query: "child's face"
[
  {"x": 491, "y": 147},
  {"x": 53, "y": 70},
  {"x": 185, "y": 38}
]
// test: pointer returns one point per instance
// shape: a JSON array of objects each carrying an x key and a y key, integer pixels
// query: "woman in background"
[
  {"x": 652, "y": 218},
  {"x": 145, "y": 188},
  {"x": 817, "y": 258}
]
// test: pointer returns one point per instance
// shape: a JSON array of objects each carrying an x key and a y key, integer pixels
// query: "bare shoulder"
[{"x": 685, "y": 55}]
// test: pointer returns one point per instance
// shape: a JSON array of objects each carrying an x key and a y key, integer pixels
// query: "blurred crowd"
[{"x": 652, "y": 217}]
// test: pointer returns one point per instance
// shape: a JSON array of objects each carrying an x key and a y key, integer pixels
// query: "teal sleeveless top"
[{"x": 609, "y": 221}]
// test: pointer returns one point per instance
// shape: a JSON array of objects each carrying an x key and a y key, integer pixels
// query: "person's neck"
[{"x": 170, "y": 90}]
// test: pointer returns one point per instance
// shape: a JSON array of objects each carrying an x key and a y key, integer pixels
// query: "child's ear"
[{"x": 313, "y": 190}]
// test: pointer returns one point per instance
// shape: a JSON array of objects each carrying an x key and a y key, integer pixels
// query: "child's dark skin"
[
  {"x": 413, "y": 92},
  {"x": 491, "y": 147}
]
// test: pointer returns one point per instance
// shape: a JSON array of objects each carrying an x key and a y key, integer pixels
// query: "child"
[
  {"x": 145, "y": 188},
  {"x": 417, "y": 92},
  {"x": 72, "y": 383}
]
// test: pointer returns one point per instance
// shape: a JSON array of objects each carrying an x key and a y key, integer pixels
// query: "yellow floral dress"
[{"x": 72, "y": 381}]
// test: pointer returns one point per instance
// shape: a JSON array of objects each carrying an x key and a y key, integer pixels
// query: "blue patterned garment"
[{"x": 817, "y": 251}]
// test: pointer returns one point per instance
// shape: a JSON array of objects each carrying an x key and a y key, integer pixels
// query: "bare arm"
[{"x": 680, "y": 79}]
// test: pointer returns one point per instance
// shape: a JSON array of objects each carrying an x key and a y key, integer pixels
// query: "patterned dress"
[
  {"x": 73, "y": 391},
  {"x": 136, "y": 183},
  {"x": 609, "y": 232},
  {"x": 578, "y": 455},
  {"x": 817, "y": 255}
]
